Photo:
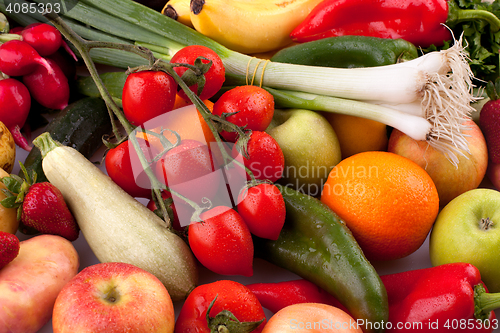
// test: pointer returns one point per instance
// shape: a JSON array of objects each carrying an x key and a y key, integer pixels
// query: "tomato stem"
[{"x": 84, "y": 47}]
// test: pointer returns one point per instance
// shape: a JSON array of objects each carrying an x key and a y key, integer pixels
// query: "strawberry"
[
  {"x": 9, "y": 248},
  {"x": 489, "y": 121},
  {"x": 41, "y": 206}
]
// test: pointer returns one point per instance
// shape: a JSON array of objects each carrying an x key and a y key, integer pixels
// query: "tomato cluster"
[
  {"x": 191, "y": 170},
  {"x": 190, "y": 166},
  {"x": 34, "y": 70}
]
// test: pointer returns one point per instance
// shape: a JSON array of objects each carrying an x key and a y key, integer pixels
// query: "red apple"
[
  {"x": 113, "y": 297},
  {"x": 493, "y": 173},
  {"x": 450, "y": 180}
]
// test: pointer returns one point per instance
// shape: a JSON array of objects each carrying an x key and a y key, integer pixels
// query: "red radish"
[
  {"x": 49, "y": 89},
  {"x": 44, "y": 38},
  {"x": 15, "y": 104},
  {"x": 18, "y": 58},
  {"x": 67, "y": 64},
  {"x": 16, "y": 30}
]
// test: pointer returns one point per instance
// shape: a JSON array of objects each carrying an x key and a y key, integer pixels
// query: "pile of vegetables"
[{"x": 427, "y": 98}]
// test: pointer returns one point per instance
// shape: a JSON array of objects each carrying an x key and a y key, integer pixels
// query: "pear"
[{"x": 310, "y": 146}]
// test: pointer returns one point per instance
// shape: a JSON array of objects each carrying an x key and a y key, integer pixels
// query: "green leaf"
[
  {"x": 226, "y": 322},
  {"x": 13, "y": 183},
  {"x": 9, "y": 202}
]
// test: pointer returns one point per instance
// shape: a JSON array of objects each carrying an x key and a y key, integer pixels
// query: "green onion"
[
  {"x": 436, "y": 87},
  {"x": 437, "y": 134}
]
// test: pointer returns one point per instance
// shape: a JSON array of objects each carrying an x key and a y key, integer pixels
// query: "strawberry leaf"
[
  {"x": 493, "y": 89},
  {"x": 13, "y": 183},
  {"x": 10, "y": 202}
]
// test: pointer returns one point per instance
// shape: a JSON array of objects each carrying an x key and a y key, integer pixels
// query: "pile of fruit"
[{"x": 217, "y": 178}]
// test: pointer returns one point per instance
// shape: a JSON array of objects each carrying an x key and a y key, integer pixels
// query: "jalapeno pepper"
[
  {"x": 316, "y": 245},
  {"x": 348, "y": 52},
  {"x": 444, "y": 298},
  {"x": 421, "y": 22}
]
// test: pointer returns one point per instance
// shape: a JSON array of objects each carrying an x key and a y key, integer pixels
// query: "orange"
[
  {"x": 387, "y": 201},
  {"x": 357, "y": 135}
]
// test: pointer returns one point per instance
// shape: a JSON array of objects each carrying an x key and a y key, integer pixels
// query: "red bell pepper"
[
  {"x": 446, "y": 298},
  {"x": 421, "y": 22}
]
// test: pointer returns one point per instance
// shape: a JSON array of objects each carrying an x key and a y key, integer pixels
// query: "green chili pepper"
[
  {"x": 316, "y": 245},
  {"x": 348, "y": 52}
]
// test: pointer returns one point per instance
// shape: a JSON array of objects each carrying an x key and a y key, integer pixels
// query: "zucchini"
[
  {"x": 116, "y": 226},
  {"x": 80, "y": 125}
]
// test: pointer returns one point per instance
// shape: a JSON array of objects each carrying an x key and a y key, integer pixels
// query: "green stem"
[
  {"x": 8, "y": 37},
  {"x": 209, "y": 118},
  {"x": 167, "y": 52},
  {"x": 84, "y": 47},
  {"x": 45, "y": 143},
  {"x": 414, "y": 126},
  {"x": 457, "y": 15},
  {"x": 485, "y": 302}
]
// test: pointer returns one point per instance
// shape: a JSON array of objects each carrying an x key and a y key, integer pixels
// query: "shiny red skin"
[
  {"x": 148, "y": 94},
  {"x": 489, "y": 121},
  {"x": 274, "y": 296},
  {"x": 15, "y": 102},
  {"x": 419, "y": 22},
  {"x": 255, "y": 107},
  {"x": 214, "y": 77},
  {"x": 44, "y": 38},
  {"x": 262, "y": 207},
  {"x": 45, "y": 210},
  {"x": 441, "y": 294},
  {"x": 9, "y": 248},
  {"x": 189, "y": 170},
  {"x": 50, "y": 89},
  {"x": 18, "y": 58},
  {"x": 231, "y": 296},
  {"x": 265, "y": 157},
  {"x": 222, "y": 242},
  {"x": 65, "y": 62},
  {"x": 120, "y": 163}
]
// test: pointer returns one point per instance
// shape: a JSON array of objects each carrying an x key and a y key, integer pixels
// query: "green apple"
[
  {"x": 468, "y": 230},
  {"x": 310, "y": 147}
]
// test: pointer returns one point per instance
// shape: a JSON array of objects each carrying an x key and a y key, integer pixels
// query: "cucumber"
[
  {"x": 81, "y": 125},
  {"x": 113, "y": 81}
]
